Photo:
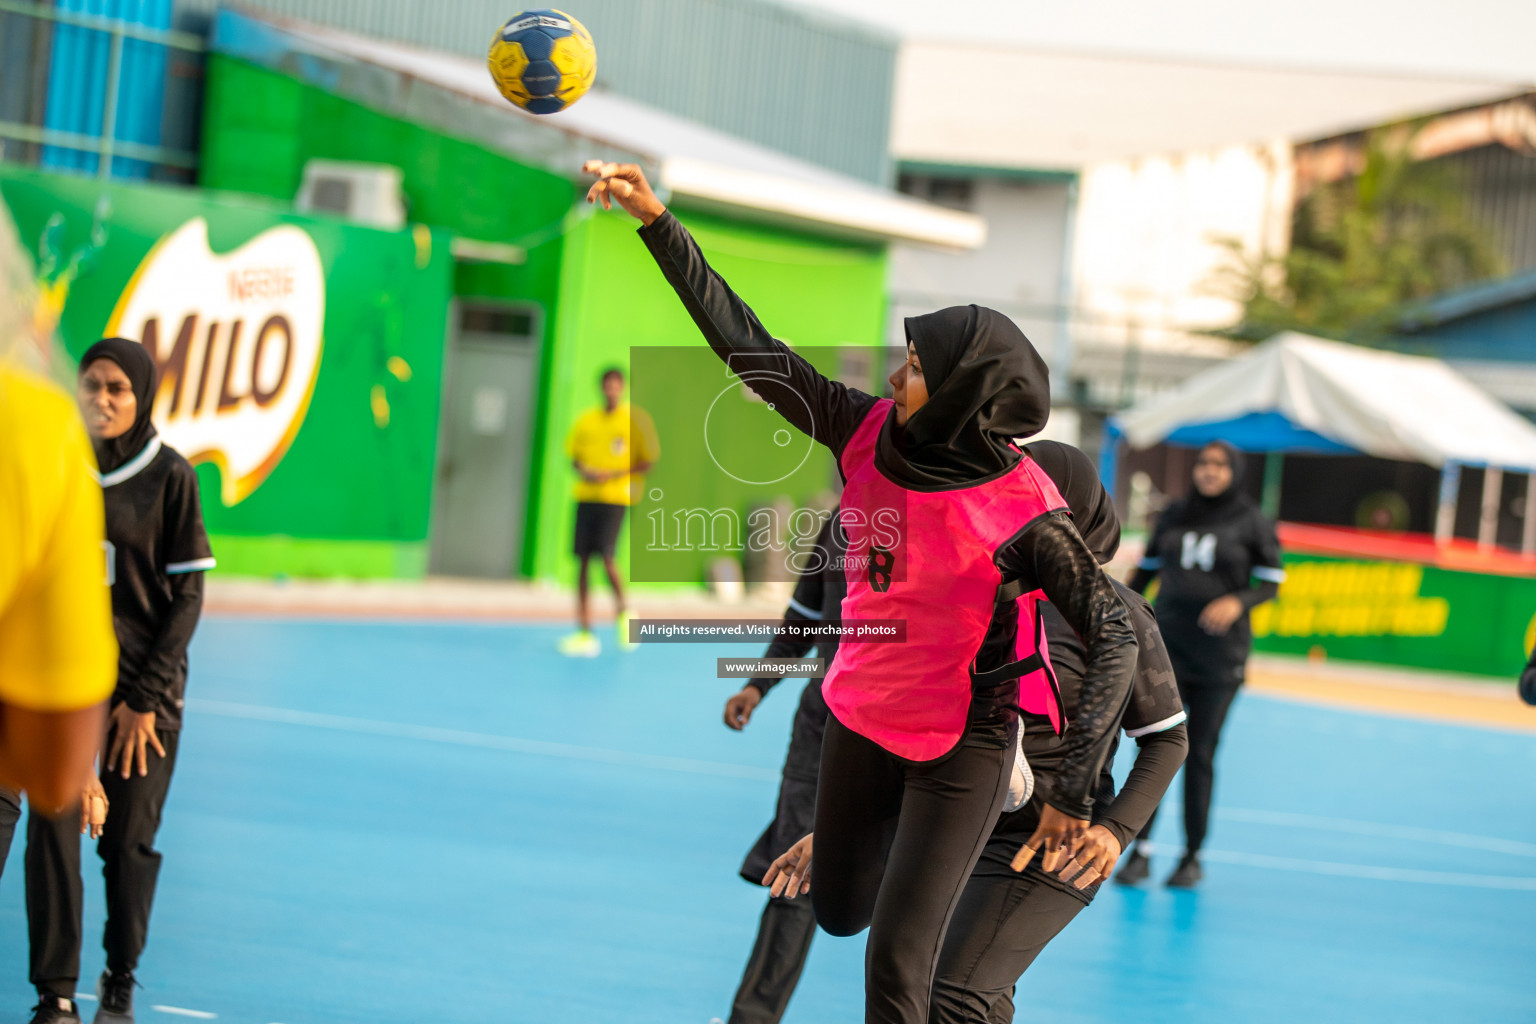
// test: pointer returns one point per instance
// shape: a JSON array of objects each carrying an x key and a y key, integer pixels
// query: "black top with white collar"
[{"x": 157, "y": 551}]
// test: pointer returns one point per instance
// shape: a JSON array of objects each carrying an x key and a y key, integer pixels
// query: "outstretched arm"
[{"x": 825, "y": 410}]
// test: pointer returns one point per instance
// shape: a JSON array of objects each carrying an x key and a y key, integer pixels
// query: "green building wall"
[
  {"x": 816, "y": 294},
  {"x": 600, "y": 291}
]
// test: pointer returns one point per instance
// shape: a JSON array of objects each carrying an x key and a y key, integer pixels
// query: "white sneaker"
[
  {"x": 1022, "y": 782},
  {"x": 580, "y": 644}
]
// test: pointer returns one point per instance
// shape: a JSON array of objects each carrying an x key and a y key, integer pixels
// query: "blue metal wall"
[
  {"x": 79, "y": 71},
  {"x": 813, "y": 87}
]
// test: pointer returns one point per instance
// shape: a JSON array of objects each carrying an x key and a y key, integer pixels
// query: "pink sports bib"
[{"x": 926, "y": 557}]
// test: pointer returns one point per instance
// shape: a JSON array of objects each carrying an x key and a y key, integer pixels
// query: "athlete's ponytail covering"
[
  {"x": 986, "y": 386},
  {"x": 139, "y": 366}
]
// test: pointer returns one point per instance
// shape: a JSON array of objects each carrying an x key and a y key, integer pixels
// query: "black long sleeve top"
[
  {"x": 1047, "y": 554},
  {"x": 1237, "y": 554},
  {"x": 157, "y": 554}
]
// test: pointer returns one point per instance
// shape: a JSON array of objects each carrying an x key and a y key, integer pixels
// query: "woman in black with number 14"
[
  {"x": 922, "y": 741},
  {"x": 1217, "y": 557}
]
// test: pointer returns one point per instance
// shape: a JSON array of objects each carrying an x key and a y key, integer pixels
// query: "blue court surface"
[{"x": 383, "y": 821}]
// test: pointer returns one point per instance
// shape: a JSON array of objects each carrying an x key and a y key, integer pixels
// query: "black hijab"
[
  {"x": 139, "y": 366},
  {"x": 986, "y": 386},
  {"x": 1195, "y": 509},
  {"x": 1093, "y": 512}
]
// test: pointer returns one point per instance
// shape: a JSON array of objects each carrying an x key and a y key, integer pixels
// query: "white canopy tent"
[{"x": 1299, "y": 393}]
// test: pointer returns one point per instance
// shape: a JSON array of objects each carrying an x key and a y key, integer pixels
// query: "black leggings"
[
  {"x": 1004, "y": 920},
  {"x": 895, "y": 843},
  {"x": 130, "y": 864},
  {"x": 1207, "y": 706}
]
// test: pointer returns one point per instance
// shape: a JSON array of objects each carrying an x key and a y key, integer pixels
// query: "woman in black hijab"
[
  {"x": 897, "y": 838},
  {"x": 1217, "y": 557},
  {"x": 1007, "y": 917},
  {"x": 157, "y": 552}
]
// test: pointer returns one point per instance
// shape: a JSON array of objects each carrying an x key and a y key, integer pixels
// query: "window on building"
[
  {"x": 108, "y": 96},
  {"x": 955, "y": 193}
]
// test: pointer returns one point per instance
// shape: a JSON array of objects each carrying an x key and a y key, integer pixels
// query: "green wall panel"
[
  {"x": 359, "y": 466},
  {"x": 816, "y": 294}
]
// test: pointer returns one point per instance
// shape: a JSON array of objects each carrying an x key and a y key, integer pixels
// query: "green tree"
[{"x": 1362, "y": 248}]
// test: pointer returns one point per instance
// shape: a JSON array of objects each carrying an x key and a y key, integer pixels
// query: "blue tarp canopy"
[{"x": 1296, "y": 393}]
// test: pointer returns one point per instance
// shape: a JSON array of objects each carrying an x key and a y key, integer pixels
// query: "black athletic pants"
[
  {"x": 1207, "y": 706},
  {"x": 10, "y": 813},
  {"x": 895, "y": 843},
  {"x": 1005, "y": 918},
  {"x": 785, "y": 933},
  {"x": 783, "y": 943},
  {"x": 130, "y": 865}
]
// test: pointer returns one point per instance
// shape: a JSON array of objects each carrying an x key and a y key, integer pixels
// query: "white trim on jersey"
[
  {"x": 1163, "y": 726},
  {"x": 196, "y": 565},
  {"x": 132, "y": 467},
  {"x": 1269, "y": 574},
  {"x": 803, "y": 610}
]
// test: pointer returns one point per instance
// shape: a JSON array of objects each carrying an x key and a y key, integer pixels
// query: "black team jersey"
[
  {"x": 1153, "y": 711},
  {"x": 1047, "y": 553},
  {"x": 157, "y": 551},
  {"x": 1195, "y": 564}
]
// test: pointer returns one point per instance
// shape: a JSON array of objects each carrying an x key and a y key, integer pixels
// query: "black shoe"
[
  {"x": 1134, "y": 869},
  {"x": 51, "y": 1009},
  {"x": 116, "y": 994},
  {"x": 1187, "y": 875}
]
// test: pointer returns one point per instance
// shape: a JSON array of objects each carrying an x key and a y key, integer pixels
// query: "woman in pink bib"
[{"x": 954, "y": 533}]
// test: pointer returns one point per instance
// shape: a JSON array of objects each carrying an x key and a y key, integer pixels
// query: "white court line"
[
  {"x": 180, "y": 1012},
  {"x": 1367, "y": 828},
  {"x": 1371, "y": 871},
  {"x": 487, "y": 741}
]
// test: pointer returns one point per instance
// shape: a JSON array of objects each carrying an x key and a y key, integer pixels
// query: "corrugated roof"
[
  {"x": 1018, "y": 108},
  {"x": 455, "y": 94},
  {"x": 1471, "y": 300}
]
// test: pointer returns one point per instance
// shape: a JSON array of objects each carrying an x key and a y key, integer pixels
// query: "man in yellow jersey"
[
  {"x": 58, "y": 655},
  {"x": 610, "y": 447}
]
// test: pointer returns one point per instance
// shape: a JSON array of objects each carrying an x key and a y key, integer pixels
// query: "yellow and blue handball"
[{"x": 543, "y": 61}]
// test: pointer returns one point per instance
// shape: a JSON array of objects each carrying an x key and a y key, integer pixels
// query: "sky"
[{"x": 1489, "y": 39}]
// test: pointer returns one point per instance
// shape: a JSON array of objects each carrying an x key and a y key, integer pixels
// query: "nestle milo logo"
[{"x": 237, "y": 340}]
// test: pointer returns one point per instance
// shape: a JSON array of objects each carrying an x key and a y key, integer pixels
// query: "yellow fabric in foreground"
[
  {"x": 602, "y": 441},
  {"x": 57, "y": 648}
]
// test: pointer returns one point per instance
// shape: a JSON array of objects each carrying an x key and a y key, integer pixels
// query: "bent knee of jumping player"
[{"x": 838, "y": 914}]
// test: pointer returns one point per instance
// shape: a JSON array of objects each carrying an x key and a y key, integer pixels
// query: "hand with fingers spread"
[
  {"x": 739, "y": 708},
  {"x": 1058, "y": 835},
  {"x": 131, "y": 733},
  {"x": 627, "y": 184},
  {"x": 1094, "y": 860},
  {"x": 790, "y": 875},
  {"x": 93, "y": 808}
]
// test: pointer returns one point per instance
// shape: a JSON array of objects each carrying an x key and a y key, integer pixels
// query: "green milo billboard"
[{"x": 300, "y": 358}]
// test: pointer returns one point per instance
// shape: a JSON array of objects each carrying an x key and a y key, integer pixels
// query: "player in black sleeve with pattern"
[
  {"x": 1216, "y": 556},
  {"x": 921, "y": 739},
  {"x": 1006, "y": 917},
  {"x": 787, "y": 927},
  {"x": 156, "y": 553}
]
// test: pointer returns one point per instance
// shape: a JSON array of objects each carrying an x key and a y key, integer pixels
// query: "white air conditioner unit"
[{"x": 367, "y": 193}]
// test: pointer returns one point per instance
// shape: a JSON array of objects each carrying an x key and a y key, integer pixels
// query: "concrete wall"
[
  {"x": 1021, "y": 270},
  {"x": 1147, "y": 252}
]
